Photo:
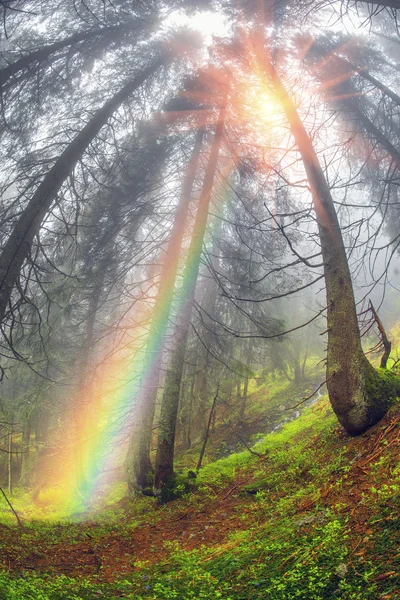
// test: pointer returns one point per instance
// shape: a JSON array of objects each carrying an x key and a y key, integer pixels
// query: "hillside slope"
[{"x": 313, "y": 515}]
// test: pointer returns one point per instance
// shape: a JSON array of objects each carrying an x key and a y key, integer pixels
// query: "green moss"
[{"x": 382, "y": 387}]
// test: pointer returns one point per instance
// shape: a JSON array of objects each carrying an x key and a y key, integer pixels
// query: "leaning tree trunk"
[
  {"x": 139, "y": 466},
  {"x": 208, "y": 304},
  {"x": 346, "y": 95},
  {"x": 43, "y": 54},
  {"x": 164, "y": 470},
  {"x": 359, "y": 395},
  {"x": 18, "y": 245},
  {"x": 366, "y": 75},
  {"x": 351, "y": 106}
]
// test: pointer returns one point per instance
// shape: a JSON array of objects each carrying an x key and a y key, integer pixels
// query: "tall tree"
[
  {"x": 359, "y": 395},
  {"x": 169, "y": 408},
  {"x": 138, "y": 460},
  {"x": 19, "y": 243}
]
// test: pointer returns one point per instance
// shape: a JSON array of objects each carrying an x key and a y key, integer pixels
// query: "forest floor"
[{"x": 310, "y": 513}]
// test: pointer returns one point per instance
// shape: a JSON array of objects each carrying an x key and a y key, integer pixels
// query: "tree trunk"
[
  {"x": 385, "y": 343},
  {"x": 208, "y": 302},
  {"x": 359, "y": 395},
  {"x": 244, "y": 399},
  {"x": 82, "y": 415},
  {"x": 238, "y": 390},
  {"x": 44, "y": 53},
  {"x": 139, "y": 466},
  {"x": 188, "y": 428},
  {"x": 304, "y": 363},
  {"x": 166, "y": 434},
  {"x": 352, "y": 107},
  {"x": 202, "y": 393},
  {"x": 10, "y": 458},
  {"x": 18, "y": 245},
  {"x": 366, "y": 75},
  {"x": 207, "y": 432},
  {"x": 346, "y": 95},
  {"x": 297, "y": 371},
  {"x": 26, "y": 466}
]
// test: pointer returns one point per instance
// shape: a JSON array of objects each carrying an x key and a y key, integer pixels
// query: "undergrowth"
[{"x": 303, "y": 525}]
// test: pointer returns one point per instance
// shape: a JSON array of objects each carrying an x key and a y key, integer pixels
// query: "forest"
[{"x": 199, "y": 299}]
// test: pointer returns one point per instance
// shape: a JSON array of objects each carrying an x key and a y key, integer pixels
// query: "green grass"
[
  {"x": 287, "y": 541},
  {"x": 283, "y": 554}
]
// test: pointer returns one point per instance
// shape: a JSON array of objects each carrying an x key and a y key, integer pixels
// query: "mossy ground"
[{"x": 314, "y": 515}]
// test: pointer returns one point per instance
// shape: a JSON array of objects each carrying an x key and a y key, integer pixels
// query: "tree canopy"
[{"x": 181, "y": 183}]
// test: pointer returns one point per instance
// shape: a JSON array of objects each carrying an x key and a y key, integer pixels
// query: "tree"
[
  {"x": 138, "y": 461},
  {"x": 47, "y": 54},
  {"x": 359, "y": 395},
  {"x": 169, "y": 408},
  {"x": 19, "y": 243},
  {"x": 46, "y": 268}
]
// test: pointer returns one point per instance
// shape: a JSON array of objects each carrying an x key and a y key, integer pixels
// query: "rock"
[{"x": 341, "y": 571}]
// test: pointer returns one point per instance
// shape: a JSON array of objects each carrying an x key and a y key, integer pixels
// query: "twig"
[
  {"x": 20, "y": 524},
  {"x": 248, "y": 448},
  {"x": 326, "y": 331},
  {"x": 233, "y": 489},
  {"x": 385, "y": 576},
  {"x": 212, "y": 411},
  {"x": 362, "y": 469},
  {"x": 210, "y": 488},
  {"x": 311, "y": 395},
  {"x": 183, "y": 515},
  {"x": 385, "y": 342}
]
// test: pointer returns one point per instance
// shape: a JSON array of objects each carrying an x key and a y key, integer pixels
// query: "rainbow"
[{"x": 101, "y": 414}]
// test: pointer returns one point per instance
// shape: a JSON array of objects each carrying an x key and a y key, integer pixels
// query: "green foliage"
[
  {"x": 286, "y": 543},
  {"x": 33, "y": 587},
  {"x": 179, "y": 486},
  {"x": 255, "y": 565}
]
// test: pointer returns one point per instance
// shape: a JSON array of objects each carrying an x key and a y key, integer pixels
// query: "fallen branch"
[
  {"x": 20, "y": 524},
  {"x": 385, "y": 576},
  {"x": 183, "y": 515},
  {"x": 248, "y": 448},
  {"x": 234, "y": 488}
]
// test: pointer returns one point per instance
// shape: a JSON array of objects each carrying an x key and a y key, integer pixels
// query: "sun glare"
[{"x": 267, "y": 107}]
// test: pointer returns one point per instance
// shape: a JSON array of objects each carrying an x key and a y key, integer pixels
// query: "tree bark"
[
  {"x": 359, "y": 396},
  {"x": 164, "y": 470},
  {"x": 139, "y": 465},
  {"x": 19, "y": 243}
]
